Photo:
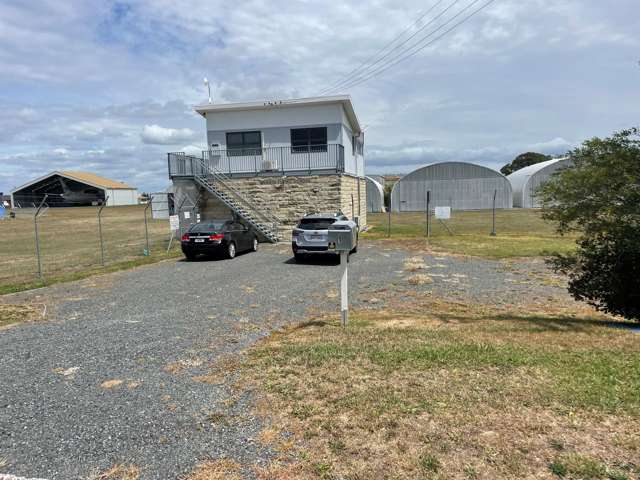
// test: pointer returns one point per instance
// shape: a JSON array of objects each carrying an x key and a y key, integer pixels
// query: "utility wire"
[
  {"x": 364, "y": 71},
  {"x": 373, "y": 57},
  {"x": 399, "y": 59}
]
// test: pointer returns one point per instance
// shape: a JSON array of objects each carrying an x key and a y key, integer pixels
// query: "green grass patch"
[{"x": 520, "y": 233}]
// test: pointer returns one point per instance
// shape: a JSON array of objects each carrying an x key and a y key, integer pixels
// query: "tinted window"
[
  {"x": 209, "y": 226},
  {"x": 244, "y": 143},
  {"x": 316, "y": 223},
  {"x": 309, "y": 139}
]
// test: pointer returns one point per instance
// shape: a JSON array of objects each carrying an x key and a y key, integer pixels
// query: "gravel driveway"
[{"x": 119, "y": 374}]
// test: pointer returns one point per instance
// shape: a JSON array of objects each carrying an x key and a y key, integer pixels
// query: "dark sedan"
[{"x": 212, "y": 237}]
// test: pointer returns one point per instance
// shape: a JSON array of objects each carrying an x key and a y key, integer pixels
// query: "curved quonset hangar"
[
  {"x": 526, "y": 181},
  {"x": 71, "y": 189},
  {"x": 459, "y": 185},
  {"x": 375, "y": 196}
]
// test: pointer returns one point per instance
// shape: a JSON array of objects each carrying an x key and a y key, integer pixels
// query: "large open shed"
[
  {"x": 526, "y": 181},
  {"x": 71, "y": 189},
  {"x": 459, "y": 185}
]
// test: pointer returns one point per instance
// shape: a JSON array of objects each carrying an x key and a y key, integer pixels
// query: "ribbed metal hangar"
[
  {"x": 375, "y": 196},
  {"x": 526, "y": 181},
  {"x": 459, "y": 185}
]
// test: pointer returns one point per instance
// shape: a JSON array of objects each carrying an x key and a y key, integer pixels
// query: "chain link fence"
[{"x": 40, "y": 243}]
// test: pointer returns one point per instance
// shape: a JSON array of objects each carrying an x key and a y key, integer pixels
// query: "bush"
[{"x": 600, "y": 197}]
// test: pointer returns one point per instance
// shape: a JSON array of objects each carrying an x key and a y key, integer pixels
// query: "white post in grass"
[{"x": 344, "y": 292}]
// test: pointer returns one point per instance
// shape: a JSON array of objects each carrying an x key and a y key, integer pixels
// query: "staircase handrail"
[{"x": 224, "y": 180}]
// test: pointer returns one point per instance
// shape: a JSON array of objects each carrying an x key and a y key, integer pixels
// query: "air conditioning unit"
[{"x": 268, "y": 166}]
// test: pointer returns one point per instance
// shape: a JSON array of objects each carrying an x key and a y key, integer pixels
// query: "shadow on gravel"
[
  {"x": 541, "y": 323},
  {"x": 324, "y": 260},
  {"x": 212, "y": 258}
]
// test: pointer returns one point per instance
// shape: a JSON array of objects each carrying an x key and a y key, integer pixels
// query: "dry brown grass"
[
  {"x": 223, "y": 469},
  {"x": 108, "y": 384},
  {"x": 419, "y": 279},
  {"x": 16, "y": 313},
  {"x": 118, "y": 472},
  {"x": 63, "y": 252},
  {"x": 414, "y": 264},
  {"x": 180, "y": 365},
  {"x": 436, "y": 389}
]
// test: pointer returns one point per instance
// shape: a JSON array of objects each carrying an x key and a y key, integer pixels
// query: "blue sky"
[{"x": 109, "y": 86}]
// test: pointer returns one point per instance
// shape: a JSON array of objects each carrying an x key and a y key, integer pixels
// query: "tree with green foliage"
[
  {"x": 524, "y": 160},
  {"x": 600, "y": 198}
]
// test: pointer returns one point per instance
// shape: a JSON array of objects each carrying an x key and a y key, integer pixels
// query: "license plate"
[
  {"x": 316, "y": 237},
  {"x": 199, "y": 240}
]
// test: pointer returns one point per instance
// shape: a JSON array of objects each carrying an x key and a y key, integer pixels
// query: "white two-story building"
[{"x": 272, "y": 162}]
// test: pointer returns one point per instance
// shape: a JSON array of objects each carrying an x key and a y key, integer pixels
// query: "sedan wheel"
[
  {"x": 231, "y": 250},
  {"x": 255, "y": 244}
]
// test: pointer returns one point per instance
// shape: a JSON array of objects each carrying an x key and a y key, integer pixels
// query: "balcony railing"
[{"x": 290, "y": 160}]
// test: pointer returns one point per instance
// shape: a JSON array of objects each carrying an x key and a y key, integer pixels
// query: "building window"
[
  {"x": 357, "y": 145},
  {"x": 309, "y": 139},
  {"x": 244, "y": 143}
]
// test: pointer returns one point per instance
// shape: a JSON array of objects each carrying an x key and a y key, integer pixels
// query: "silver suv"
[{"x": 311, "y": 236}]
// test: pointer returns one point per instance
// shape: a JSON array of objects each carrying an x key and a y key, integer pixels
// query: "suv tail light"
[
  {"x": 185, "y": 237},
  {"x": 295, "y": 233},
  {"x": 216, "y": 237}
]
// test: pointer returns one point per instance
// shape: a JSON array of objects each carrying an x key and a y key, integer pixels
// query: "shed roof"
[
  {"x": 345, "y": 100},
  {"x": 97, "y": 180},
  {"x": 82, "y": 177}
]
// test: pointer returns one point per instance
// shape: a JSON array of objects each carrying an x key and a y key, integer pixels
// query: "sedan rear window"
[
  {"x": 205, "y": 227},
  {"x": 316, "y": 223}
]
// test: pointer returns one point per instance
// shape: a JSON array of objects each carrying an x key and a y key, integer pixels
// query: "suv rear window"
[{"x": 315, "y": 223}]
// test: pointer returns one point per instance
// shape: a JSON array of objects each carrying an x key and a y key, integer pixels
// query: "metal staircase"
[{"x": 219, "y": 185}]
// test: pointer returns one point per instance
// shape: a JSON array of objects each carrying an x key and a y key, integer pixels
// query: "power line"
[
  {"x": 408, "y": 51},
  {"x": 347, "y": 80},
  {"x": 397, "y": 37},
  {"x": 399, "y": 59}
]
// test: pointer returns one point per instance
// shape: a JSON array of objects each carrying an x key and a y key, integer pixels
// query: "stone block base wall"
[{"x": 289, "y": 198}]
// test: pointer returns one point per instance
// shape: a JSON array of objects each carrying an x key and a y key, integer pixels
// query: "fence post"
[
  {"x": 428, "y": 213},
  {"x": 35, "y": 224},
  {"x": 493, "y": 228},
  {"x": 104, "y": 204},
  {"x": 389, "y": 221},
  {"x": 147, "y": 250}
]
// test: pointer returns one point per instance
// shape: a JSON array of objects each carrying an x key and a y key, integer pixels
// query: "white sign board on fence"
[
  {"x": 174, "y": 222},
  {"x": 443, "y": 213},
  {"x": 187, "y": 215}
]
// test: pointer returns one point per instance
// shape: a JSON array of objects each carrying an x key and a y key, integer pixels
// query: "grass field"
[
  {"x": 520, "y": 233},
  {"x": 442, "y": 390},
  {"x": 70, "y": 247}
]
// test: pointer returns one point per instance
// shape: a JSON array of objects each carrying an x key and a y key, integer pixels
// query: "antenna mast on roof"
[{"x": 206, "y": 82}]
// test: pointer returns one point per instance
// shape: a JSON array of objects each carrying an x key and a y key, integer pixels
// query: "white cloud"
[
  {"x": 155, "y": 134},
  {"x": 119, "y": 78}
]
